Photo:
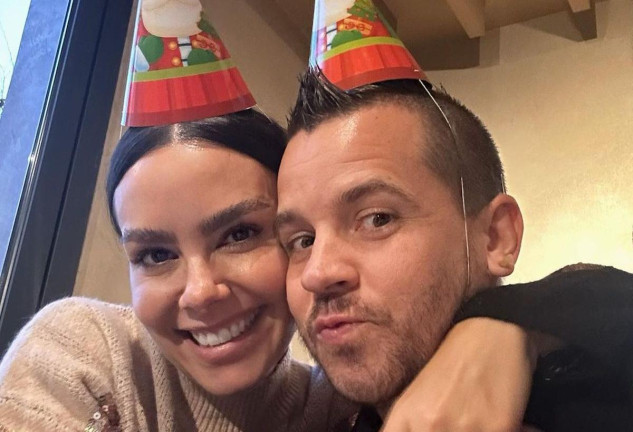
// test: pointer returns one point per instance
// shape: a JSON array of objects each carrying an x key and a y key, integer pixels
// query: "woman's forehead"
[{"x": 191, "y": 178}]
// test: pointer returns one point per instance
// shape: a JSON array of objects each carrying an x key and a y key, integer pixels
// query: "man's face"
[{"x": 377, "y": 249}]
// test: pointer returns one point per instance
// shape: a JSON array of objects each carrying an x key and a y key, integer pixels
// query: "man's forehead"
[{"x": 384, "y": 130}]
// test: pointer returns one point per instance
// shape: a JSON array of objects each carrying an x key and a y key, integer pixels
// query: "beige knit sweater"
[{"x": 85, "y": 365}]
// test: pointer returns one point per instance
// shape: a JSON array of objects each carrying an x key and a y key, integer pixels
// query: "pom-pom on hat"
[
  {"x": 180, "y": 70},
  {"x": 354, "y": 45}
]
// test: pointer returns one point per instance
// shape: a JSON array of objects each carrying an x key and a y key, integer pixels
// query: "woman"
[{"x": 205, "y": 347}]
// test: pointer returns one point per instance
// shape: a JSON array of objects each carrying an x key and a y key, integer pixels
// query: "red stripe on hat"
[
  {"x": 188, "y": 98},
  {"x": 371, "y": 64}
]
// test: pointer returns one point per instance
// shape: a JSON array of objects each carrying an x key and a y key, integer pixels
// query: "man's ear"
[{"x": 505, "y": 232}]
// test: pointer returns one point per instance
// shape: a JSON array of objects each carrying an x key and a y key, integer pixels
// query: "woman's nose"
[{"x": 202, "y": 287}]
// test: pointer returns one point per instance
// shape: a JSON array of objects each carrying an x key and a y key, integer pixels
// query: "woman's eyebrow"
[
  {"x": 230, "y": 214},
  {"x": 147, "y": 235}
]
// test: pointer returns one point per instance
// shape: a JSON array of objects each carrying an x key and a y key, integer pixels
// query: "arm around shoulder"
[{"x": 584, "y": 305}]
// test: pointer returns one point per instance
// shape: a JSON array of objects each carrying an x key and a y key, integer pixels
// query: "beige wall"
[
  {"x": 559, "y": 109},
  {"x": 561, "y": 112}
]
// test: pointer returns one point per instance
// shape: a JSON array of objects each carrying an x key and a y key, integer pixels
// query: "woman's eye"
[
  {"x": 154, "y": 257},
  {"x": 240, "y": 234},
  {"x": 376, "y": 220}
]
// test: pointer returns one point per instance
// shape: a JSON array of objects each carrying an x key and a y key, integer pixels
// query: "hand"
[{"x": 479, "y": 379}]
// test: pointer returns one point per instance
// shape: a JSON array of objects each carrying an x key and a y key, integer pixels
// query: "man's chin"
[
  {"x": 356, "y": 380},
  {"x": 361, "y": 375},
  {"x": 362, "y": 389}
]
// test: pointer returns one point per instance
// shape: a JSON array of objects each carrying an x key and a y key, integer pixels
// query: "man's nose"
[
  {"x": 330, "y": 269},
  {"x": 203, "y": 286}
]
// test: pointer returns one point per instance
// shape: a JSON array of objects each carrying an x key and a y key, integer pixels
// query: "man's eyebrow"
[
  {"x": 349, "y": 196},
  {"x": 230, "y": 214},
  {"x": 373, "y": 186},
  {"x": 147, "y": 235}
]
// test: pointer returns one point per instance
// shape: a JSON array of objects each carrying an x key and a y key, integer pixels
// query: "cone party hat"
[
  {"x": 180, "y": 70},
  {"x": 354, "y": 45}
]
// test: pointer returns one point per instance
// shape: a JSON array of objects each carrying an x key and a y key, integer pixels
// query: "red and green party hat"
[
  {"x": 180, "y": 69},
  {"x": 353, "y": 45}
]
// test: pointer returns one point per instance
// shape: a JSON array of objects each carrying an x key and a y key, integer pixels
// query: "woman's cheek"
[
  {"x": 272, "y": 272},
  {"x": 263, "y": 271},
  {"x": 150, "y": 303}
]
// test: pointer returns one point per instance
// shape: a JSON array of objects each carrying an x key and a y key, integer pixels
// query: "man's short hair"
[{"x": 471, "y": 154}]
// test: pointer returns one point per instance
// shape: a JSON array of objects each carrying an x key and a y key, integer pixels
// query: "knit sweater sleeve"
[
  {"x": 591, "y": 308},
  {"x": 56, "y": 370}
]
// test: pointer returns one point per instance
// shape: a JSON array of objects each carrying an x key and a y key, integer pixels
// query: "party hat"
[
  {"x": 180, "y": 70},
  {"x": 354, "y": 45}
]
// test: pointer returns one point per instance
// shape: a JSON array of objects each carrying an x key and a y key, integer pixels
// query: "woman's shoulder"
[
  {"x": 76, "y": 328},
  {"x": 84, "y": 317},
  {"x": 81, "y": 308},
  {"x": 72, "y": 316},
  {"x": 71, "y": 352},
  {"x": 75, "y": 325}
]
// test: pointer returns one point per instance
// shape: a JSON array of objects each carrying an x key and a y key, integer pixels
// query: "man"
[{"x": 391, "y": 220}]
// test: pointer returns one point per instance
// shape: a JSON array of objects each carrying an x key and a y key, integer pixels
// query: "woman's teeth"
[{"x": 226, "y": 334}]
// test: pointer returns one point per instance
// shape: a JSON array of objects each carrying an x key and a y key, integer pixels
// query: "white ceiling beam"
[
  {"x": 471, "y": 16},
  {"x": 579, "y": 5},
  {"x": 585, "y": 22}
]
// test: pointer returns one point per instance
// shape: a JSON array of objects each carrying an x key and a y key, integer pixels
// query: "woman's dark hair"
[{"x": 248, "y": 132}]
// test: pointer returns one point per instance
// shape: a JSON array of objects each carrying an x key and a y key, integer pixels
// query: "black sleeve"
[
  {"x": 589, "y": 308},
  {"x": 586, "y": 386}
]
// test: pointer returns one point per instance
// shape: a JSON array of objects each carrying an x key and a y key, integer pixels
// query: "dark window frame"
[{"x": 48, "y": 233}]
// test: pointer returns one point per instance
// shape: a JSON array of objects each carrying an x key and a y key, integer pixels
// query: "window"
[
  {"x": 12, "y": 19},
  {"x": 52, "y": 127}
]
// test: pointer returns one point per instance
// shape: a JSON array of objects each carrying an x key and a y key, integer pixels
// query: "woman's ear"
[{"x": 505, "y": 232}]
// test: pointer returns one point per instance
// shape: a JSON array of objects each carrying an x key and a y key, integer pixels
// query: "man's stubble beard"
[{"x": 376, "y": 372}]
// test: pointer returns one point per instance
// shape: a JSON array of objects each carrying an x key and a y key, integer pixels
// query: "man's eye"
[
  {"x": 376, "y": 220},
  {"x": 154, "y": 257},
  {"x": 301, "y": 243}
]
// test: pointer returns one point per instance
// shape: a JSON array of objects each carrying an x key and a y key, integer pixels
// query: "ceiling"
[{"x": 430, "y": 27}]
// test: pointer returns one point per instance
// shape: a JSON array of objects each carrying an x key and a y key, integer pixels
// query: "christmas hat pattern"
[
  {"x": 354, "y": 45},
  {"x": 180, "y": 70}
]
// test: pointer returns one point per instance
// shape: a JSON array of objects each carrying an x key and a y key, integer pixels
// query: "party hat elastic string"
[{"x": 461, "y": 180}]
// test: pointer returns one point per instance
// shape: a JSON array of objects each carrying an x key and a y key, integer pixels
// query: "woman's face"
[{"x": 206, "y": 272}]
